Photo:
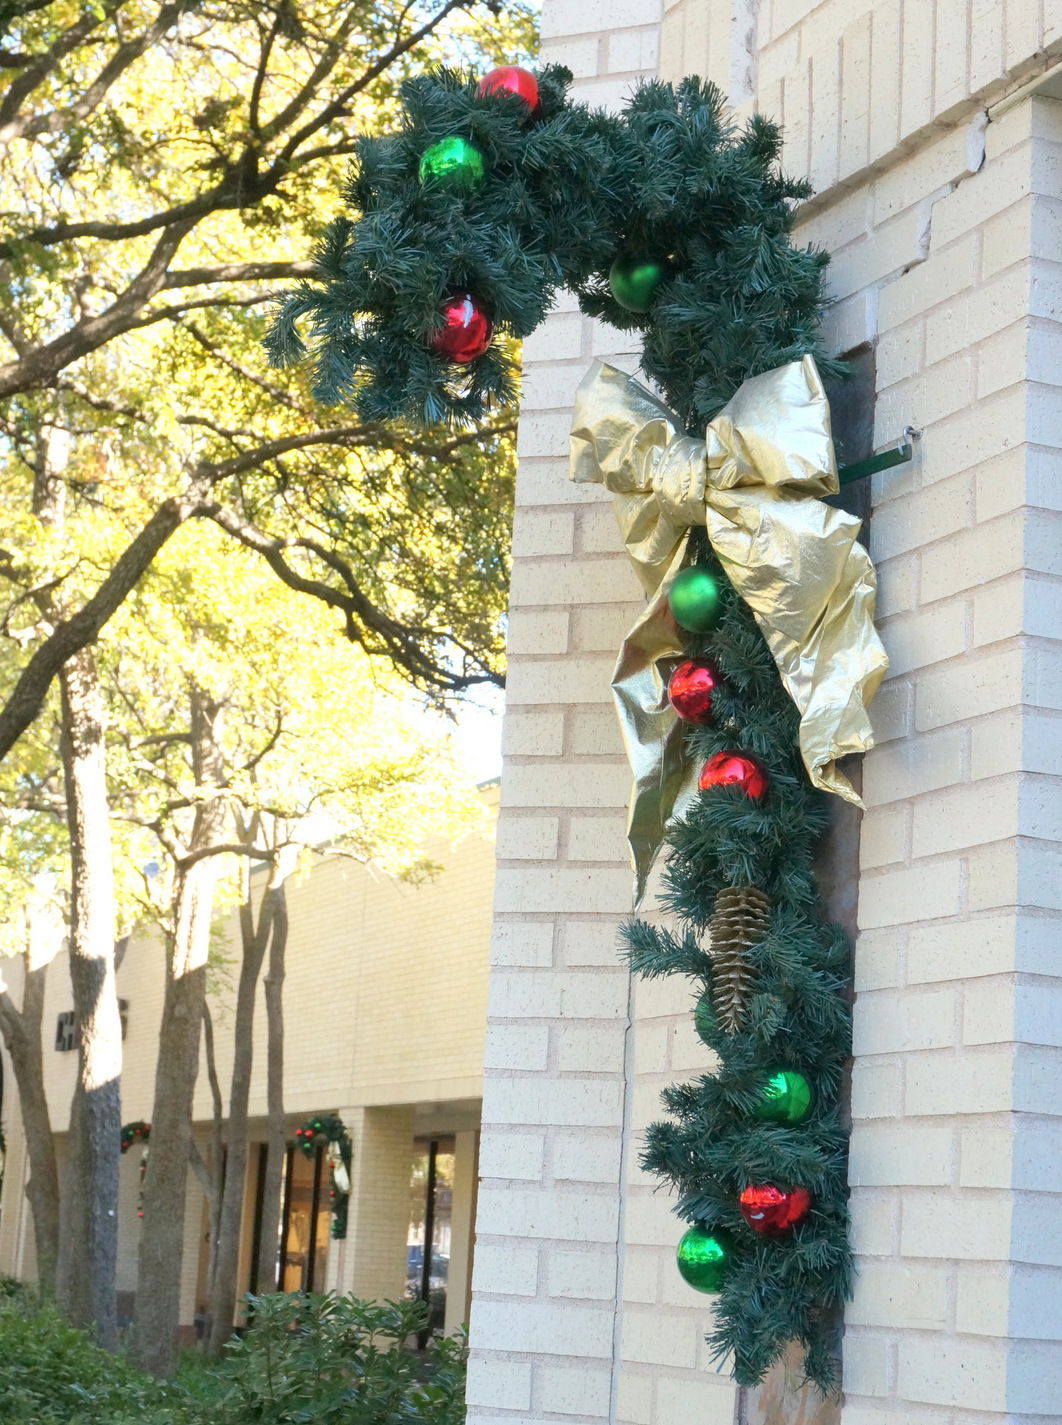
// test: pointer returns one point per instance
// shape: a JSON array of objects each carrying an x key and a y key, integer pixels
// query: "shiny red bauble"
[
  {"x": 771, "y": 1211},
  {"x": 510, "y": 79},
  {"x": 466, "y": 329},
  {"x": 734, "y": 769},
  {"x": 690, "y": 691}
]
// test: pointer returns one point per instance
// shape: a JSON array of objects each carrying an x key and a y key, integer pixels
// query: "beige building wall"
[
  {"x": 385, "y": 1011},
  {"x": 939, "y": 190}
]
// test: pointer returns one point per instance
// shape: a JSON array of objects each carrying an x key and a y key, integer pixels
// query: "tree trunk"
[
  {"x": 273, "y": 986},
  {"x": 162, "y": 1238},
  {"x": 217, "y": 1149},
  {"x": 88, "y": 1239},
  {"x": 224, "y": 1288},
  {"x": 22, "y": 1036}
]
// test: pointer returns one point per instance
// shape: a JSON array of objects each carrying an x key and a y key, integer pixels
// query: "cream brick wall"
[
  {"x": 384, "y": 1000},
  {"x": 577, "y": 1311},
  {"x": 385, "y": 1005},
  {"x": 939, "y": 191}
]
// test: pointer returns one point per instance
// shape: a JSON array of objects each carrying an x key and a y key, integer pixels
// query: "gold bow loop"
[{"x": 753, "y": 483}]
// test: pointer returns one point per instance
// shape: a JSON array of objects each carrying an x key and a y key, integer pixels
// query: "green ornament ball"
[
  {"x": 634, "y": 280},
  {"x": 787, "y": 1098},
  {"x": 704, "y": 1258},
  {"x": 454, "y": 162},
  {"x": 704, "y": 1017},
  {"x": 696, "y": 599}
]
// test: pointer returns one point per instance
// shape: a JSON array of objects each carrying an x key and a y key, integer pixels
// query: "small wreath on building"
[
  {"x": 340, "y": 1154},
  {"x": 138, "y": 1132}
]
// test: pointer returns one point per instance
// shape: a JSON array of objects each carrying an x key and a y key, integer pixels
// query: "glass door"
[
  {"x": 305, "y": 1221},
  {"x": 430, "y": 1216}
]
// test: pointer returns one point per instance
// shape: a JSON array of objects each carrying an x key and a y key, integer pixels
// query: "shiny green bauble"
[
  {"x": 453, "y": 162},
  {"x": 704, "y": 1017},
  {"x": 704, "y": 1258},
  {"x": 696, "y": 599},
  {"x": 787, "y": 1098},
  {"x": 634, "y": 280}
]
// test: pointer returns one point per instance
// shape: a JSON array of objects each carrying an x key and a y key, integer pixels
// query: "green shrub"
[
  {"x": 53, "y": 1374},
  {"x": 328, "y": 1360},
  {"x": 306, "y": 1360}
]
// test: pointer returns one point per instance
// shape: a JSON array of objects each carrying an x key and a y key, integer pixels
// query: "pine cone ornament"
[{"x": 739, "y": 921}]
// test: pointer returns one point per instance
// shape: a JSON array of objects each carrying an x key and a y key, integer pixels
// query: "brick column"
[
  {"x": 937, "y": 191},
  {"x": 462, "y": 1223},
  {"x": 371, "y": 1261},
  {"x": 549, "y": 1227},
  {"x": 959, "y": 1013}
]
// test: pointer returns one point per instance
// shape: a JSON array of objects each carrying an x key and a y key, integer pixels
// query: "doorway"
[
  {"x": 304, "y": 1221},
  {"x": 430, "y": 1226}
]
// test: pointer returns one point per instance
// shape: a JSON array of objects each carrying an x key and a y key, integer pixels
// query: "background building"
[
  {"x": 385, "y": 1009},
  {"x": 932, "y": 134}
]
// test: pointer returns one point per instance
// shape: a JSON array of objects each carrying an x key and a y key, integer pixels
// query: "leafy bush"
[
  {"x": 325, "y": 1359},
  {"x": 306, "y": 1360},
  {"x": 52, "y": 1373}
]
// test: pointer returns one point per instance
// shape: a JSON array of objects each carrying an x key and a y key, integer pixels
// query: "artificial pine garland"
[
  {"x": 784, "y": 1288},
  {"x": 561, "y": 198},
  {"x": 667, "y": 220}
]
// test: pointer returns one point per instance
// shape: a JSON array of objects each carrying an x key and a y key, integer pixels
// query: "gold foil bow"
[{"x": 794, "y": 560}]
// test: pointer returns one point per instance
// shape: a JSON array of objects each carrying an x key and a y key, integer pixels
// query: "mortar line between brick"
[{"x": 621, "y": 1216}]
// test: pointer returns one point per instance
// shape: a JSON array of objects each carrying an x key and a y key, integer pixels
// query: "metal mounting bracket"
[{"x": 900, "y": 455}]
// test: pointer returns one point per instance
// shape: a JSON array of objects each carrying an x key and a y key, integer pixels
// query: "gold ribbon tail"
[{"x": 652, "y": 734}]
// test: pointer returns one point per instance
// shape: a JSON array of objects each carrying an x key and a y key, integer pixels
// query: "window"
[
  {"x": 66, "y": 1027},
  {"x": 65, "y": 1032}
]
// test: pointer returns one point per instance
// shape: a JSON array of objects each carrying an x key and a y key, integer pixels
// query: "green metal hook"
[{"x": 903, "y": 452}]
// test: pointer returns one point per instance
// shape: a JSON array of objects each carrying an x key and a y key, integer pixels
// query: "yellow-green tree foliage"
[{"x": 163, "y": 169}]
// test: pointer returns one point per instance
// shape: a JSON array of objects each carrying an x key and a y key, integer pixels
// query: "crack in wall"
[{"x": 975, "y": 161}]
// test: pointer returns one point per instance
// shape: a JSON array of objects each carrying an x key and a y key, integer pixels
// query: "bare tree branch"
[
  {"x": 40, "y": 367},
  {"x": 82, "y": 628},
  {"x": 366, "y": 624},
  {"x": 238, "y": 272},
  {"x": 178, "y": 309},
  {"x": 261, "y": 70},
  {"x": 198, "y": 1165},
  {"x": 238, "y": 368},
  {"x": 226, "y": 848},
  {"x": 335, "y": 109},
  {"x": 28, "y": 126},
  {"x": 35, "y": 73}
]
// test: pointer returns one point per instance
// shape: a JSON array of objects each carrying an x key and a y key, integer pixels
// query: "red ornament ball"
[
  {"x": 466, "y": 329},
  {"x": 690, "y": 691},
  {"x": 734, "y": 769},
  {"x": 770, "y": 1211},
  {"x": 510, "y": 79}
]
